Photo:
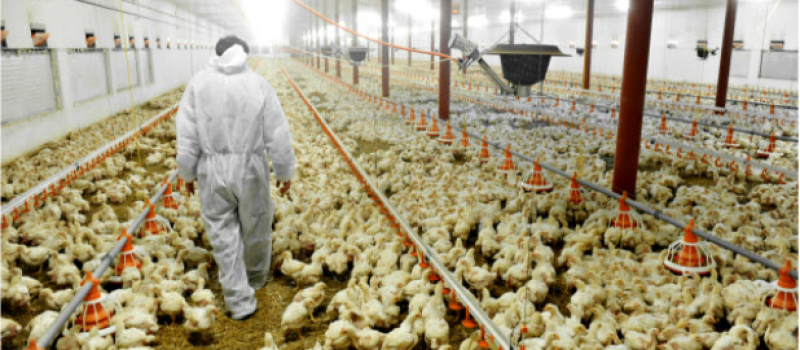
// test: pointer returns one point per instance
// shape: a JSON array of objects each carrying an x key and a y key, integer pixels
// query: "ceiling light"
[
  {"x": 623, "y": 5},
  {"x": 478, "y": 21},
  {"x": 558, "y": 12}
]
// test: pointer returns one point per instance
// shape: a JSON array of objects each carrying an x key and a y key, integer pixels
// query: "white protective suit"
[{"x": 227, "y": 118}]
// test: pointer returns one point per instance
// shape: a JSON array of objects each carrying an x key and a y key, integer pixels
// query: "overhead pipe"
[{"x": 512, "y": 22}]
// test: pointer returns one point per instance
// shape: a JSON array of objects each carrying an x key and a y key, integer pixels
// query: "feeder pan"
[
  {"x": 448, "y": 137},
  {"x": 575, "y": 190},
  {"x": 783, "y": 292},
  {"x": 171, "y": 198},
  {"x": 729, "y": 142},
  {"x": 626, "y": 219},
  {"x": 770, "y": 150},
  {"x": 484, "y": 154},
  {"x": 423, "y": 122},
  {"x": 693, "y": 133},
  {"x": 410, "y": 119},
  {"x": 327, "y": 51},
  {"x": 127, "y": 258},
  {"x": 525, "y": 64},
  {"x": 356, "y": 55},
  {"x": 155, "y": 223},
  {"x": 688, "y": 255},
  {"x": 464, "y": 138},
  {"x": 434, "y": 130},
  {"x": 508, "y": 166},
  {"x": 663, "y": 129},
  {"x": 94, "y": 314},
  {"x": 537, "y": 181}
]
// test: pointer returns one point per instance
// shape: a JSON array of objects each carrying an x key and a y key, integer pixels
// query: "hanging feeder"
[
  {"x": 127, "y": 258},
  {"x": 448, "y": 137},
  {"x": 508, "y": 166},
  {"x": 537, "y": 182},
  {"x": 783, "y": 292},
  {"x": 464, "y": 138},
  {"x": 663, "y": 129},
  {"x": 154, "y": 224},
  {"x": 423, "y": 122},
  {"x": 729, "y": 141},
  {"x": 771, "y": 148},
  {"x": 434, "y": 129},
  {"x": 484, "y": 154},
  {"x": 94, "y": 314},
  {"x": 356, "y": 55},
  {"x": 689, "y": 255},
  {"x": 693, "y": 132},
  {"x": 574, "y": 190},
  {"x": 625, "y": 219},
  {"x": 171, "y": 198}
]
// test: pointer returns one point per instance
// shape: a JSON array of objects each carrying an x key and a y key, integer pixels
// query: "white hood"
[{"x": 233, "y": 60}]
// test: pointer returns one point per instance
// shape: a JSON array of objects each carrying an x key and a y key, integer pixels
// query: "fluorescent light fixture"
[
  {"x": 266, "y": 20},
  {"x": 478, "y": 21},
  {"x": 558, "y": 12},
  {"x": 623, "y": 5}
]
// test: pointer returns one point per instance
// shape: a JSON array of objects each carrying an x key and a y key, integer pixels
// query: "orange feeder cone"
[
  {"x": 434, "y": 130},
  {"x": 692, "y": 134},
  {"x": 783, "y": 294},
  {"x": 410, "y": 120},
  {"x": 729, "y": 142},
  {"x": 423, "y": 122},
  {"x": 454, "y": 305},
  {"x": 663, "y": 129},
  {"x": 574, "y": 190},
  {"x": 508, "y": 166},
  {"x": 624, "y": 219},
  {"x": 448, "y": 136},
  {"x": 94, "y": 315},
  {"x": 537, "y": 182},
  {"x": 771, "y": 148},
  {"x": 468, "y": 322},
  {"x": 464, "y": 138},
  {"x": 484, "y": 154},
  {"x": 169, "y": 198},
  {"x": 151, "y": 223},
  {"x": 127, "y": 258},
  {"x": 688, "y": 255}
]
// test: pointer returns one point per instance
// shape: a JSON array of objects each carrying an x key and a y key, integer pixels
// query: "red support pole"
[
  {"x": 725, "y": 56},
  {"x": 355, "y": 38},
  {"x": 634, "y": 82},
  {"x": 338, "y": 42},
  {"x": 446, "y": 12},
  {"x": 384, "y": 48},
  {"x": 433, "y": 39},
  {"x": 587, "y": 55}
]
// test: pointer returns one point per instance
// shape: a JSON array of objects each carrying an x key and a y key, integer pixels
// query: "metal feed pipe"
[
  {"x": 20, "y": 200},
  {"x": 499, "y": 338},
  {"x": 66, "y": 311},
  {"x": 658, "y": 214}
]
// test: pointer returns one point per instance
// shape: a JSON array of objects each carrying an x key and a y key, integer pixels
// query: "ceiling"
[{"x": 295, "y": 18}]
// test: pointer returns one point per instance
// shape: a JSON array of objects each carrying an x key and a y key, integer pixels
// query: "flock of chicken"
[
  {"x": 537, "y": 262},
  {"x": 623, "y": 296}
]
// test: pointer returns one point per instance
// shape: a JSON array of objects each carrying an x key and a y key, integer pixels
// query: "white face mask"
[{"x": 233, "y": 59}]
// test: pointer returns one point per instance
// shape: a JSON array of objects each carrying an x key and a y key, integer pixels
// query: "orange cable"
[{"x": 326, "y": 19}]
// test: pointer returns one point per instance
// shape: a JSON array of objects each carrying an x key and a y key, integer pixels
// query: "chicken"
[
  {"x": 200, "y": 319},
  {"x": 403, "y": 337},
  {"x": 9, "y": 329},
  {"x": 301, "y": 273},
  {"x": 295, "y": 315},
  {"x": 55, "y": 300},
  {"x": 171, "y": 304},
  {"x": 131, "y": 337},
  {"x": 269, "y": 343}
]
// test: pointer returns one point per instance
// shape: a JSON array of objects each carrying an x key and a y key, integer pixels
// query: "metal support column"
[
  {"x": 445, "y": 27},
  {"x": 725, "y": 56},
  {"x": 354, "y": 42},
  {"x": 634, "y": 82},
  {"x": 587, "y": 58},
  {"x": 316, "y": 37},
  {"x": 465, "y": 15},
  {"x": 512, "y": 22},
  {"x": 338, "y": 42},
  {"x": 327, "y": 39},
  {"x": 433, "y": 39},
  {"x": 409, "y": 40},
  {"x": 384, "y": 48},
  {"x": 391, "y": 49}
]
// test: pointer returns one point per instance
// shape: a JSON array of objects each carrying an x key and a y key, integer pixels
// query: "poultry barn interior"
[{"x": 470, "y": 174}]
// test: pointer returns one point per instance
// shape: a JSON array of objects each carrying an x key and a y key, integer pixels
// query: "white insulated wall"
[
  {"x": 82, "y": 97},
  {"x": 757, "y": 22}
]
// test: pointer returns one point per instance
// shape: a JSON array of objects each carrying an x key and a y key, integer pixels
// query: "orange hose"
[{"x": 326, "y": 19}]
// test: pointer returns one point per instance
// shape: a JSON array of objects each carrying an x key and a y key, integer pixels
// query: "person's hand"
[
  {"x": 190, "y": 188},
  {"x": 283, "y": 186}
]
